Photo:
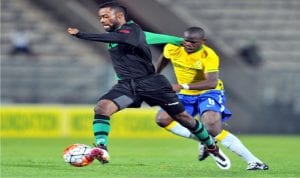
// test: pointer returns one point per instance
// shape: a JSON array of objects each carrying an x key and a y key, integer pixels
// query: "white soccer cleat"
[
  {"x": 222, "y": 161},
  {"x": 100, "y": 154},
  {"x": 257, "y": 166}
]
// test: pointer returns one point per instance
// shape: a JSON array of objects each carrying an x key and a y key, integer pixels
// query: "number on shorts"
[{"x": 211, "y": 101}]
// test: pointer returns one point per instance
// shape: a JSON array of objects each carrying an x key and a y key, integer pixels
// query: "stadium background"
[{"x": 51, "y": 93}]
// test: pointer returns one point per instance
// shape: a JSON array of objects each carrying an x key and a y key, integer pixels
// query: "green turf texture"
[{"x": 138, "y": 158}]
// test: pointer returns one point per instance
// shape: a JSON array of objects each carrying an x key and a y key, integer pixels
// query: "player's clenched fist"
[{"x": 73, "y": 31}]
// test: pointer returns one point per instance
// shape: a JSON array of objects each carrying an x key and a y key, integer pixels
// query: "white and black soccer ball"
[{"x": 78, "y": 155}]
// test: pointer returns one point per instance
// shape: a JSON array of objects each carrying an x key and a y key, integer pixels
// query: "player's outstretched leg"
[
  {"x": 198, "y": 129},
  {"x": 231, "y": 142},
  {"x": 100, "y": 153}
]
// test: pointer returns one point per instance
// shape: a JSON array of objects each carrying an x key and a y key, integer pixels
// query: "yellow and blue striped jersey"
[{"x": 191, "y": 68}]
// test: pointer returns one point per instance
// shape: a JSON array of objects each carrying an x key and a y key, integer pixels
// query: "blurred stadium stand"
[
  {"x": 64, "y": 70},
  {"x": 264, "y": 97},
  {"x": 267, "y": 93}
]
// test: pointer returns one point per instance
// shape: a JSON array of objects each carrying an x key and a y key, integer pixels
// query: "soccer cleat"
[
  {"x": 100, "y": 153},
  {"x": 257, "y": 166},
  {"x": 220, "y": 158},
  {"x": 203, "y": 153}
]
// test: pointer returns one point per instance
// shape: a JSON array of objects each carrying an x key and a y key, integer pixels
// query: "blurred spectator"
[
  {"x": 20, "y": 43},
  {"x": 251, "y": 54}
]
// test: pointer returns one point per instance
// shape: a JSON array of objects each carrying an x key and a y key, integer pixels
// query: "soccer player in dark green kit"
[{"x": 138, "y": 82}]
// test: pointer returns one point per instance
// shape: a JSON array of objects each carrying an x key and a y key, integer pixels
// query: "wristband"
[{"x": 185, "y": 86}]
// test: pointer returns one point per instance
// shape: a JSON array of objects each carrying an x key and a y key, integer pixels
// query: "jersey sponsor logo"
[
  {"x": 195, "y": 66},
  {"x": 181, "y": 66},
  {"x": 124, "y": 31}
]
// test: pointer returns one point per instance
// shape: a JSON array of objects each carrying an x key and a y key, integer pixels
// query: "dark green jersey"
[{"x": 129, "y": 50}]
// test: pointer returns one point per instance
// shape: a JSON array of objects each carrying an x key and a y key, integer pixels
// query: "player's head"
[
  {"x": 112, "y": 15},
  {"x": 194, "y": 37}
]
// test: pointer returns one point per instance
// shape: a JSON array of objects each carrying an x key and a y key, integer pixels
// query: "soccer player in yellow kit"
[{"x": 201, "y": 91}]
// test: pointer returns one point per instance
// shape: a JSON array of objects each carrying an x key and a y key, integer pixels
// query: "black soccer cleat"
[{"x": 203, "y": 153}]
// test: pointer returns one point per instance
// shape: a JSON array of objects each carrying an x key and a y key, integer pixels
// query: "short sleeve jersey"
[{"x": 191, "y": 68}]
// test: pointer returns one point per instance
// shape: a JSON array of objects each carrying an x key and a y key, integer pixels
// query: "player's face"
[
  {"x": 192, "y": 42},
  {"x": 108, "y": 19}
]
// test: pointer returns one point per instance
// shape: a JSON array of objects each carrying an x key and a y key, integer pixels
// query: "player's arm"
[
  {"x": 112, "y": 37},
  {"x": 210, "y": 82},
  {"x": 162, "y": 63},
  {"x": 155, "y": 38}
]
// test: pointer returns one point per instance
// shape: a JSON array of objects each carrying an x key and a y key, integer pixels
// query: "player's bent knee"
[
  {"x": 105, "y": 107},
  {"x": 212, "y": 122},
  {"x": 98, "y": 110},
  {"x": 211, "y": 117},
  {"x": 163, "y": 119}
]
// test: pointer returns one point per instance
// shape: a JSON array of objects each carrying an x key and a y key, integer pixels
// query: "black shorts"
[{"x": 155, "y": 90}]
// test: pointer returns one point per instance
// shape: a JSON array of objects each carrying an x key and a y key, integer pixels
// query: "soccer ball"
[{"x": 78, "y": 155}]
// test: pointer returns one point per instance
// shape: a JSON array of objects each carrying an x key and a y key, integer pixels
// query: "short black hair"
[
  {"x": 197, "y": 31},
  {"x": 116, "y": 6}
]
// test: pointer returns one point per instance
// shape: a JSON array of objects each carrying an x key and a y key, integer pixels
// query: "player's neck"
[{"x": 122, "y": 22}]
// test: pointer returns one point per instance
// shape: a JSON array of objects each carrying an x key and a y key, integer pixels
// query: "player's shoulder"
[
  {"x": 129, "y": 27},
  {"x": 170, "y": 46},
  {"x": 171, "y": 50},
  {"x": 209, "y": 51}
]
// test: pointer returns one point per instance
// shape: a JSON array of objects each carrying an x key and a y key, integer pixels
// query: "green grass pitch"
[{"x": 138, "y": 158}]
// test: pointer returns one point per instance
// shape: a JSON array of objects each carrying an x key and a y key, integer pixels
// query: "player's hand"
[
  {"x": 176, "y": 87},
  {"x": 73, "y": 31}
]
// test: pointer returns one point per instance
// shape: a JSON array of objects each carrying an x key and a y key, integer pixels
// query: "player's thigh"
[
  {"x": 214, "y": 101},
  {"x": 157, "y": 91},
  {"x": 211, "y": 113},
  {"x": 210, "y": 110},
  {"x": 167, "y": 100},
  {"x": 211, "y": 118},
  {"x": 212, "y": 121},
  {"x": 119, "y": 97}
]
